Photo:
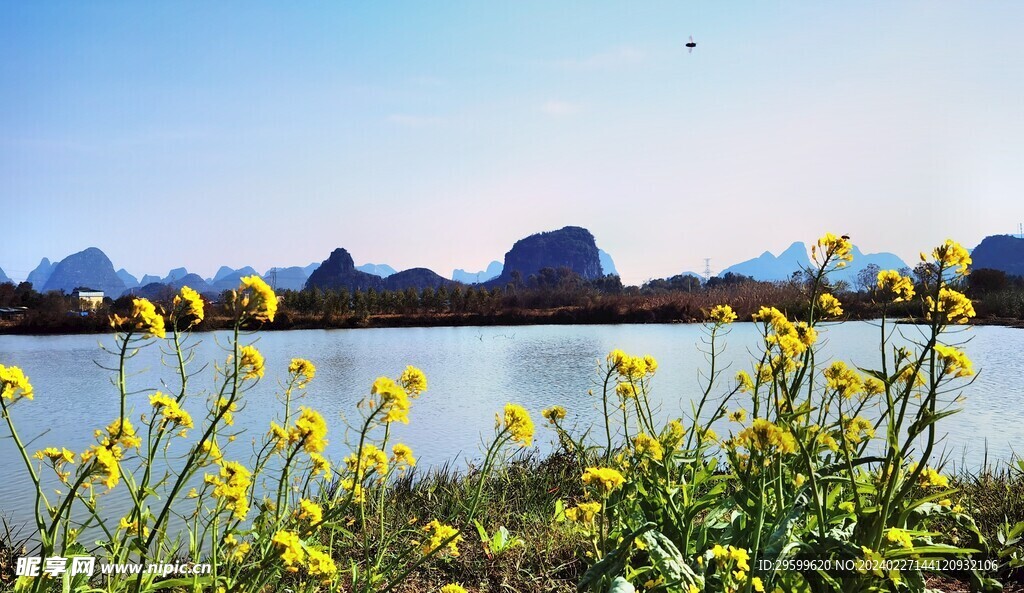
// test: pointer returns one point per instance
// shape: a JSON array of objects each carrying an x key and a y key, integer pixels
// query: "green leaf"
[
  {"x": 612, "y": 564},
  {"x": 667, "y": 558},
  {"x": 621, "y": 585}
]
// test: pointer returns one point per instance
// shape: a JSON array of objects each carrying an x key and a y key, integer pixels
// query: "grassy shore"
[{"x": 523, "y": 495}]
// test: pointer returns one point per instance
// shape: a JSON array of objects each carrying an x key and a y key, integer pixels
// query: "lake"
[{"x": 472, "y": 372}]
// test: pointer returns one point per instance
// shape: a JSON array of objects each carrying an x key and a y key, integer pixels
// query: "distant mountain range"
[
  {"x": 1000, "y": 252},
  {"x": 495, "y": 268},
  {"x": 772, "y": 268},
  {"x": 569, "y": 247},
  {"x": 493, "y": 271}
]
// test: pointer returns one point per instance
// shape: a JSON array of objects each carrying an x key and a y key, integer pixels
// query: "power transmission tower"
[
  {"x": 1020, "y": 230},
  {"x": 273, "y": 278},
  {"x": 707, "y": 269}
]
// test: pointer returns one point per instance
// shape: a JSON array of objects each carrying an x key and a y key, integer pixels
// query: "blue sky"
[{"x": 436, "y": 134}]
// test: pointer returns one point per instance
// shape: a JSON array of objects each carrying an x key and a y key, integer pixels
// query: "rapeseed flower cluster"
[
  {"x": 402, "y": 455},
  {"x": 744, "y": 383},
  {"x": 309, "y": 511},
  {"x": 231, "y": 486},
  {"x": 829, "y": 305},
  {"x": 303, "y": 371},
  {"x": 843, "y": 380},
  {"x": 583, "y": 512},
  {"x": 518, "y": 424},
  {"x": 901, "y": 287},
  {"x": 930, "y": 478},
  {"x": 632, "y": 368},
  {"x": 648, "y": 446},
  {"x": 370, "y": 458},
  {"x": 321, "y": 564},
  {"x": 831, "y": 248},
  {"x": 170, "y": 411},
  {"x": 952, "y": 307},
  {"x": 438, "y": 533},
  {"x": 187, "y": 304},
  {"x": 109, "y": 451},
  {"x": 900, "y": 537},
  {"x": 58, "y": 459},
  {"x": 954, "y": 361},
  {"x": 951, "y": 255},
  {"x": 143, "y": 318},
  {"x": 310, "y": 431},
  {"x": 857, "y": 428},
  {"x": 14, "y": 385},
  {"x": 764, "y": 436},
  {"x": 722, "y": 314},
  {"x": 289, "y": 546},
  {"x": 792, "y": 339},
  {"x": 250, "y": 363},
  {"x": 553, "y": 414},
  {"x": 394, "y": 400},
  {"x": 413, "y": 381},
  {"x": 257, "y": 298},
  {"x": 606, "y": 478}
]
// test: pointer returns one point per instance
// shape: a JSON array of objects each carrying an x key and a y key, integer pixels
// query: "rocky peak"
[
  {"x": 339, "y": 271},
  {"x": 570, "y": 247},
  {"x": 90, "y": 267}
]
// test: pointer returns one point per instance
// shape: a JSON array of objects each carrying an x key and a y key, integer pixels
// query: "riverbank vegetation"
[
  {"x": 793, "y": 474},
  {"x": 549, "y": 297}
]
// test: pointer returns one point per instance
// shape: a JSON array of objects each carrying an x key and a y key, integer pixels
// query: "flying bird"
[{"x": 692, "y": 44}]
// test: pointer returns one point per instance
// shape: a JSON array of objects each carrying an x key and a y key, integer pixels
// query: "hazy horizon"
[{"x": 435, "y": 136}]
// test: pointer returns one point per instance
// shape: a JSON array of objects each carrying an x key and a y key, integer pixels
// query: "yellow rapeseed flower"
[
  {"x": 831, "y": 248},
  {"x": 250, "y": 363},
  {"x": 954, "y": 361},
  {"x": 518, "y": 424},
  {"x": 303, "y": 371},
  {"x": 309, "y": 511},
  {"x": 901, "y": 287},
  {"x": 394, "y": 400},
  {"x": 722, "y": 314},
  {"x": 168, "y": 408},
  {"x": 607, "y": 478},
  {"x": 187, "y": 304},
  {"x": 402, "y": 454},
  {"x": 952, "y": 307},
  {"x": 553, "y": 414},
  {"x": 829, "y": 305},
  {"x": 843, "y": 380},
  {"x": 583, "y": 512},
  {"x": 929, "y": 478},
  {"x": 310, "y": 431},
  {"x": 413, "y": 380},
  {"x": 739, "y": 415},
  {"x": 14, "y": 385},
  {"x": 290, "y": 548},
  {"x": 952, "y": 255},
  {"x": 321, "y": 564},
  {"x": 746, "y": 385},
  {"x": 452, "y": 588},
  {"x": 438, "y": 533},
  {"x": 231, "y": 487},
  {"x": 258, "y": 298},
  {"x": 899, "y": 536},
  {"x": 646, "y": 445},
  {"x": 762, "y": 435}
]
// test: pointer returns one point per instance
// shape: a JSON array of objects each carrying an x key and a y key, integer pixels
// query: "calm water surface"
[{"x": 472, "y": 373}]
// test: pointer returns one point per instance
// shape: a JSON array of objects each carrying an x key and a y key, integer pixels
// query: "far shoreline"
[{"x": 550, "y": 317}]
